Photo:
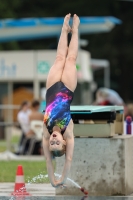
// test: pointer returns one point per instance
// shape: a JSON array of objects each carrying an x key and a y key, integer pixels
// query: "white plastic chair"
[{"x": 37, "y": 127}]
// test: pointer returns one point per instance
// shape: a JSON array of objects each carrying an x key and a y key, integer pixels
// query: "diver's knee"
[{"x": 71, "y": 59}]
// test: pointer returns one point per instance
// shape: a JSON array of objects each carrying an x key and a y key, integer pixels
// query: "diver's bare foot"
[
  {"x": 76, "y": 22},
  {"x": 66, "y": 26}
]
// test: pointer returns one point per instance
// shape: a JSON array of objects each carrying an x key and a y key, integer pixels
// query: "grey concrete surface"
[
  {"x": 42, "y": 191},
  {"x": 104, "y": 166},
  {"x": 34, "y": 189}
]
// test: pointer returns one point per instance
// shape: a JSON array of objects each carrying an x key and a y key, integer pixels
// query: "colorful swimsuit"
[{"x": 57, "y": 112}]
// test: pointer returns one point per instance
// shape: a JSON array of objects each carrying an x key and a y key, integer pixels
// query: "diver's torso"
[{"x": 57, "y": 112}]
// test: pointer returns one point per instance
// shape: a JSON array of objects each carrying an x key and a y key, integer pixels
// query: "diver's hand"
[{"x": 59, "y": 183}]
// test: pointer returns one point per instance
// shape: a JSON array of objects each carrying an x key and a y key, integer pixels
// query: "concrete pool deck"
[
  {"x": 37, "y": 190},
  {"x": 34, "y": 189}
]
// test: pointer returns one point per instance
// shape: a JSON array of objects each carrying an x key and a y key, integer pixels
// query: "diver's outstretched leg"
[
  {"x": 56, "y": 70},
  {"x": 69, "y": 75}
]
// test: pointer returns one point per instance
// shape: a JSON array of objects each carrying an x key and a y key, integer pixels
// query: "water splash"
[
  {"x": 12, "y": 198},
  {"x": 76, "y": 184},
  {"x": 72, "y": 181},
  {"x": 38, "y": 177},
  {"x": 42, "y": 176}
]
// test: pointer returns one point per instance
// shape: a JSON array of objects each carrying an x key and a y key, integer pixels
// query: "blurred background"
[{"x": 29, "y": 33}]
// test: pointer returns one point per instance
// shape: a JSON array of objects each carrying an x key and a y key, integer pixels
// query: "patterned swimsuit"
[{"x": 57, "y": 112}]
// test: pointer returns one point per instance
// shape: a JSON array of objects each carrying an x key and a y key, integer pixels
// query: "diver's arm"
[
  {"x": 47, "y": 154},
  {"x": 68, "y": 159}
]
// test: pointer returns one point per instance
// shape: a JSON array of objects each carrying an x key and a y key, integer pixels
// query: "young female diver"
[{"x": 61, "y": 82}]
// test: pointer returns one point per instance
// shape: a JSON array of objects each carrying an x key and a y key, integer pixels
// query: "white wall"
[{"x": 30, "y": 65}]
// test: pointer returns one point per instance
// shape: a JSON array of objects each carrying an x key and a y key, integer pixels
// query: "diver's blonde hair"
[{"x": 59, "y": 153}]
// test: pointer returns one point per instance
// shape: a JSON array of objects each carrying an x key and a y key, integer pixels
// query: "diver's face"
[{"x": 56, "y": 141}]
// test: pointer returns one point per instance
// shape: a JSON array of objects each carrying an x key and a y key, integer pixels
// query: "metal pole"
[
  {"x": 9, "y": 116},
  {"x": 107, "y": 77},
  {"x": 35, "y": 82},
  {"x": 81, "y": 84}
]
